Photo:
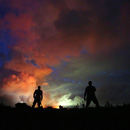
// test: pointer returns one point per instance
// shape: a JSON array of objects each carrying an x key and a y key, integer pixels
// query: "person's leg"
[
  {"x": 34, "y": 103},
  {"x": 88, "y": 102},
  {"x": 96, "y": 101},
  {"x": 39, "y": 103}
]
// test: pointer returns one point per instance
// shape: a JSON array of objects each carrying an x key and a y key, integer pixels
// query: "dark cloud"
[
  {"x": 2, "y": 59},
  {"x": 101, "y": 18},
  {"x": 113, "y": 93},
  {"x": 6, "y": 72},
  {"x": 72, "y": 22}
]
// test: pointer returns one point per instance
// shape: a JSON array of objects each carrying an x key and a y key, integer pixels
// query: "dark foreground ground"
[{"x": 73, "y": 119}]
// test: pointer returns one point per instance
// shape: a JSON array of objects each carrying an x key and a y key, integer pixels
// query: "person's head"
[
  {"x": 39, "y": 87},
  {"x": 90, "y": 83}
]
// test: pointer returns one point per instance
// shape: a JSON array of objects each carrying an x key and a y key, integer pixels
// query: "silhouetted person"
[
  {"x": 90, "y": 92},
  {"x": 38, "y": 96}
]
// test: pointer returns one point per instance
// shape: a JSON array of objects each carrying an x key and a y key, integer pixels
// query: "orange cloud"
[
  {"x": 21, "y": 84},
  {"x": 21, "y": 88},
  {"x": 21, "y": 66}
]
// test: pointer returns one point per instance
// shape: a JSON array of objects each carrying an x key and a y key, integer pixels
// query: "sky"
[{"x": 61, "y": 45}]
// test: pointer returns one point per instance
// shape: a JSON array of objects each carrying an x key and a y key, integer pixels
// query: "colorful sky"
[{"x": 61, "y": 45}]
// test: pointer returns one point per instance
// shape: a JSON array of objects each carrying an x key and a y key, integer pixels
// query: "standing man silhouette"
[
  {"x": 90, "y": 92},
  {"x": 38, "y": 96}
]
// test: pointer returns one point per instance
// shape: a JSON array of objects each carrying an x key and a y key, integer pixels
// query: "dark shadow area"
[{"x": 23, "y": 117}]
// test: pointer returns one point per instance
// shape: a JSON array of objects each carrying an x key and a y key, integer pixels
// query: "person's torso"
[
  {"x": 90, "y": 91},
  {"x": 38, "y": 93}
]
